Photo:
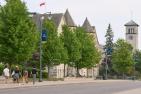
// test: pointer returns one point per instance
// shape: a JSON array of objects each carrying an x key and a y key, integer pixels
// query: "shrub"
[
  {"x": 1, "y": 68},
  {"x": 44, "y": 74}
]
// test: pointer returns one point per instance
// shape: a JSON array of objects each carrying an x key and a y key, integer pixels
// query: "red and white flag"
[{"x": 42, "y": 4}]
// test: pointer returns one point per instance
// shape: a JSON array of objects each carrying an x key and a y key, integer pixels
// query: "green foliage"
[
  {"x": 1, "y": 68},
  {"x": 89, "y": 53},
  {"x": 44, "y": 74},
  {"x": 122, "y": 56},
  {"x": 53, "y": 50},
  {"x": 81, "y": 48},
  {"x": 13, "y": 67},
  {"x": 137, "y": 60},
  {"x": 72, "y": 45},
  {"x": 18, "y": 34},
  {"x": 108, "y": 48},
  {"x": 109, "y": 41}
]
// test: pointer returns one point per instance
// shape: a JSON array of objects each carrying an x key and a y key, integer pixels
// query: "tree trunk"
[
  {"x": 87, "y": 73},
  {"x": 10, "y": 70},
  {"x": 48, "y": 71},
  {"x": 64, "y": 70},
  {"x": 123, "y": 75},
  {"x": 77, "y": 71}
]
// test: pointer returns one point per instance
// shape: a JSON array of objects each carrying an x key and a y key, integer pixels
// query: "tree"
[
  {"x": 72, "y": 44},
  {"x": 53, "y": 50},
  {"x": 137, "y": 60},
  {"x": 109, "y": 46},
  {"x": 89, "y": 53},
  {"x": 109, "y": 41},
  {"x": 81, "y": 48},
  {"x": 18, "y": 34},
  {"x": 122, "y": 57}
]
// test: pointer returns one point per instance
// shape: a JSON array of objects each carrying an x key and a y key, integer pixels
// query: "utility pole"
[
  {"x": 43, "y": 37},
  {"x": 106, "y": 68},
  {"x": 41, "y": 28}
]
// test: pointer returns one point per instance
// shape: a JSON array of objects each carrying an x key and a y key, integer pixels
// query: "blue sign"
[
  {"x": 109, "y": 51},
  {"x": 44, "y": 35}
]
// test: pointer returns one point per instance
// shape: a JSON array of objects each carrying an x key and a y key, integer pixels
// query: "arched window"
[
  {"x": 129, "y": 31},
  {"x": 133, "y": 31}
]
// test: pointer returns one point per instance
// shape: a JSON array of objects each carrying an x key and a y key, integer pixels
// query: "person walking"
[
  {"x": 6, "y": 73},
  {"x": 34, "y": 71},
  {"x": 25, "y": 76},
  {"x": 17, "y": 74}
]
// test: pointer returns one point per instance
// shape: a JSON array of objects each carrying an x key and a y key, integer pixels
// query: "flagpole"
[{"x": 45, "y": 7}]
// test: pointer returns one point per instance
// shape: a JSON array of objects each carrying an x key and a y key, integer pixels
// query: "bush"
[
  {"x": 1, "y": 68},
  {"x": 29, "y": 69},
  {"x": 44, "y": 74}
]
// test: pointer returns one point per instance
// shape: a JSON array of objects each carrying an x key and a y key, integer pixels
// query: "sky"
[{"x": 100, "y": 13}]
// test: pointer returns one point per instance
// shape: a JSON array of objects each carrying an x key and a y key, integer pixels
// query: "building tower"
[{"x": 132, "y": 34}]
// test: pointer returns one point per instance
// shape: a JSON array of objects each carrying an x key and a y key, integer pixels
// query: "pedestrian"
[
  {"x": 25, "y": 76},
  {"x": 16, "y": 74},
  {"x": 6, "y": 73},
  {"x": 34, "y": 71}
]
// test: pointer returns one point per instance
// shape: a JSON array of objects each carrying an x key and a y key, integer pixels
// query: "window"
[
  {"x": 129, "y": 31},
  {"x": 130, "y": 37},
  {"x": 133, "y": 31}
]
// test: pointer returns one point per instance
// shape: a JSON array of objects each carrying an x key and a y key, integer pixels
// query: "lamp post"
[
  {"x": 43, "y": 37},
  {"x": 41, "y": 28},
  {"x": 105, "y": 64},
  {"x": 134, "y": 65},
  {"x": 106, "y": 68},
  {"x": 134, "y": 70}
]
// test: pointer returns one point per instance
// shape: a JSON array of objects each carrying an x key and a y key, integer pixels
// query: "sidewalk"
[
  {"x": 46, "y": 83},
  {"x": 67, "y": 81}
]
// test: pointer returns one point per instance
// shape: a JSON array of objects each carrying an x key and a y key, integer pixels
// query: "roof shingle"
[
  {"x": 55, "y": 17},
  {"x": 87, "y": 26},
  {"x": 68, "y": 19},
  {"x": 131, "y": 23}
]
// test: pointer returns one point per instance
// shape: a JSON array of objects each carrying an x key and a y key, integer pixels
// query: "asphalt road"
[{"x": 85, "y": 88}]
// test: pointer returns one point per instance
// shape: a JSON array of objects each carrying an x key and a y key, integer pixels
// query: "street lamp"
[
  {"x": 41, "y": 22},
  {"x": 43, "y": 37},
  {"x": 105, "y": 63},
  {"x": 106, "y": 68},
  {"x": 134, "y": 65}
]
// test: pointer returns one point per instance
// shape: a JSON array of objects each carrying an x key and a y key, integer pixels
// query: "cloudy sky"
[{"x": 99, "y": 12}]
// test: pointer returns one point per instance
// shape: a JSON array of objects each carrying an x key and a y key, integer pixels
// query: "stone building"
[{"x": 132, "y": 34}]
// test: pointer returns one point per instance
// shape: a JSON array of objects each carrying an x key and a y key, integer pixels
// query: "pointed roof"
[
  {"x": 56, "y": 17},
  {"x": 68, "y": 19},
  {"x": 87, "y": 26},
  {"x": 131, "y": 23}
]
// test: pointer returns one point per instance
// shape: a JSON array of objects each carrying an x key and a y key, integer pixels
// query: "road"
[{"x": 85, "y": 88}]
